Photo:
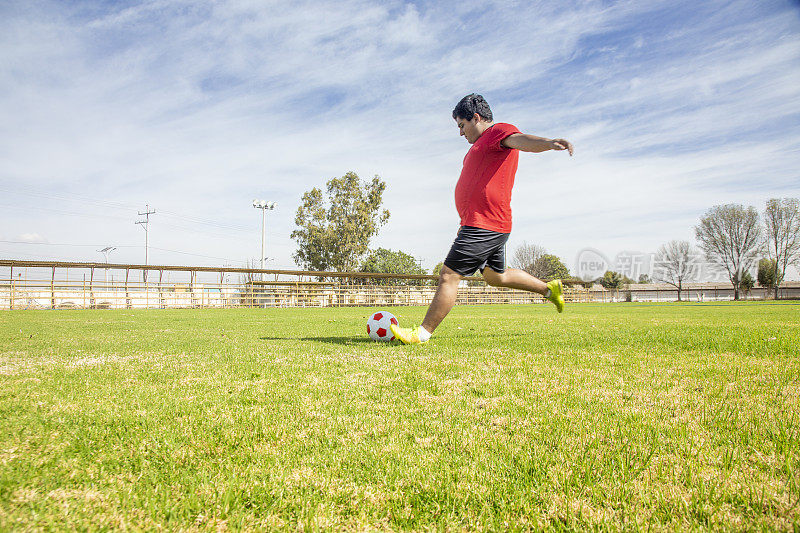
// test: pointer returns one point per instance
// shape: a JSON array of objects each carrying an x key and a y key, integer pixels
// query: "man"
[{"x": 483, "y": 200}]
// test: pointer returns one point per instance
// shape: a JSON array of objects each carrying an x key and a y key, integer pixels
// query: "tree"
[
  {"x": 334, "y": 231},
  {"x": 436, "y": 271},
  {"x": 525, "y": 257},
  {"x": 767, "y": 275},
  {"x": 611, "y": 280},
  {"x": 385, "y": 261},
  {"x": 549, "y": 267},
  {"x": 730, "y": 237},
  {"x": 782, "y": 221},
  {"x": 674, "y": 264},
  {"x": 644, "y": 278},
  {"x": 747, "y": 283},
  {"x": 535, "y": 260}
]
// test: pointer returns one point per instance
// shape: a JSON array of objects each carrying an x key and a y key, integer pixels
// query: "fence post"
[
  {"x": 191, "y": 289},
  {"x": 127, "y": 299},
  {"x": 92, "y": 302},
  {"x": 221, "y": 295},
  {"x": 53, "y": 289},
  {"x": 11, "y": 291}
]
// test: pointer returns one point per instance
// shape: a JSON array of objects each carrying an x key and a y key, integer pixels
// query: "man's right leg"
[{"x": 443, "y": 302}]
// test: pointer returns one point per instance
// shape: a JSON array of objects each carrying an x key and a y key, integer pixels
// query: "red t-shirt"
[{"x": 483, "y": 192}]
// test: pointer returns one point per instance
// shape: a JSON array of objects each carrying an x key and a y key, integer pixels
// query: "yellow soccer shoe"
[
  {"x": 407, "y": 335},
  {"x": 556, "y": 294}
]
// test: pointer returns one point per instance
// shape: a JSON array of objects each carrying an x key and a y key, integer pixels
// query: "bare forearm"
[
  {"x": 531, "y": 143},
  {"x": 528, "y": 143}
]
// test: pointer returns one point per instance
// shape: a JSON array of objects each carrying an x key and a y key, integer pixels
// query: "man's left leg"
[{"x": 514, "y": 278}]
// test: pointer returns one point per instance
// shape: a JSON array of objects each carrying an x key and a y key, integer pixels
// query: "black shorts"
[{"x": 475, "y": 249}]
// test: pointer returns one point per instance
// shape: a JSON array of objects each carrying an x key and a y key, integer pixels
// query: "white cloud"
[{"x": 32, "y": 237}]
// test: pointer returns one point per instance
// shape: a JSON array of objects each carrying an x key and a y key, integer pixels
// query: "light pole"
[
  {"x": 105, "y": 251},
  {"x": 261, "y": 204}
]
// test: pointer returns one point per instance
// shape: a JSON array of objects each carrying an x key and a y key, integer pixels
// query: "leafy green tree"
[
  {"x": 385, "y": 261},
  {"x": 436, "y": 271},
  {"x": 644, "y": 278},
  {"x": 611, "y": 280},
  {"x": 549, "y": 267},
  {"x": 747, "y": 283},
  {"x": 334, "y": 229},
  {"x": 768, "y": 274}
]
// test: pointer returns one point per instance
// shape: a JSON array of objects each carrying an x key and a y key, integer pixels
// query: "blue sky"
[{"x": 196, "y": 108}]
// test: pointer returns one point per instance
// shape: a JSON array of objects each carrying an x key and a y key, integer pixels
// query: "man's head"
[
  {"x": 473, "y": 116},
  {"x": 471, "y": 104}
]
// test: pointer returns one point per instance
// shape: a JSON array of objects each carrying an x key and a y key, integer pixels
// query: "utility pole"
[
  {"x": 145, "y": 224},
  {"x": 261, "y": 204}
]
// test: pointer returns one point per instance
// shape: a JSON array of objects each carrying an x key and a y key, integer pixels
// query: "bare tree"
[
  {"x": 782, "y": 221},
  {"x": 730, "y": 236},
  {"x": 245, "y": 278},
  {"x": 674, "y": 264},
  {"x": 526, "y": 256}
]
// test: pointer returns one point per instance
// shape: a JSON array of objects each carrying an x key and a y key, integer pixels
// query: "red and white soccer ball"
[{"x": 378, "y": 326}]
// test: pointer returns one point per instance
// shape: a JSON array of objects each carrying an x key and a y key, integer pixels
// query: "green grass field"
[{"x": 617, "y": 416}]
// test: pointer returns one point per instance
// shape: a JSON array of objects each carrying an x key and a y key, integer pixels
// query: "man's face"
[{"x": 470, "y": 128}]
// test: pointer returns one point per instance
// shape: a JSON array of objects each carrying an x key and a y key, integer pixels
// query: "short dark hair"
[{"x": 471, "y": 104}]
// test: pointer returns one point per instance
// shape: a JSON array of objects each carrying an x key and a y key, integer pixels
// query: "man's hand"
[{"x": 563, "y": 144}]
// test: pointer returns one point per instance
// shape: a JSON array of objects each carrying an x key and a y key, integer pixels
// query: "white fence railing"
[{"x": 61, "y": 285}]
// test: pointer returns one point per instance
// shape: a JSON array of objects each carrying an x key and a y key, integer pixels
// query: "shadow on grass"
[
  {"x": 363, "y": 340},
  {"x": 330, "y": 340}
]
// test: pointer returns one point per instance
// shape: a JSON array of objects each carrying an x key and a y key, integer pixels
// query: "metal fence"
[{"x": 66, "y": 285}]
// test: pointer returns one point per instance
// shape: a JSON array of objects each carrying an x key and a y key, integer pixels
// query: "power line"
[
  {"x": 229, "y": 231},
  {"x": 234, "y": 235},
  {"x": 66, "y": 244},
  {"x": 60, "y": 211},
  {"x": 114, "y": 205},
  {"x": 32, "y": 191},
  {"x": 118, "y": 246},
  {"x": 206, "y": 222}
]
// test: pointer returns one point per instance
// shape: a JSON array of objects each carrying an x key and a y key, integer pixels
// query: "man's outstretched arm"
[{"x": 532, "y": 143}]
